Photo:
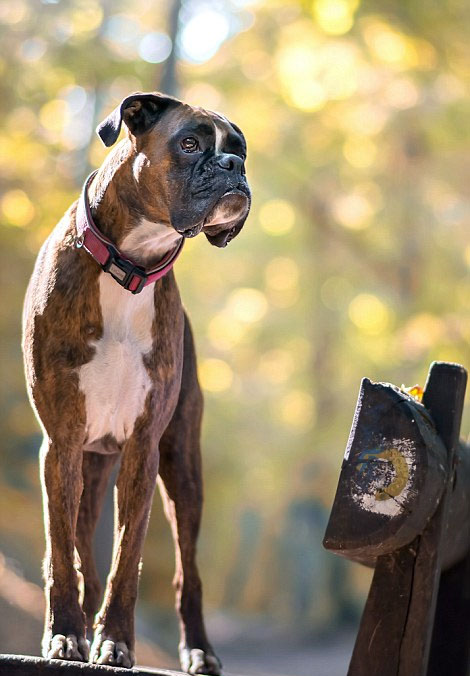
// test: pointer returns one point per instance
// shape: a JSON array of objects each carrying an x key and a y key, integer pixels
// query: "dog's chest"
[{"x": 116, "y": 382}]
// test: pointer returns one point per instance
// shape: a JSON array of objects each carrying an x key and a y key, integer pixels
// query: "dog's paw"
[
  {"x": 196, "y": 661},
  {"x": 112, "y": 653},
  {"x": 68, "y": 648}
]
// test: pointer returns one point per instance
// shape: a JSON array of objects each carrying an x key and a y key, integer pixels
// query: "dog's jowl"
[{"x": 111, "y": 369}]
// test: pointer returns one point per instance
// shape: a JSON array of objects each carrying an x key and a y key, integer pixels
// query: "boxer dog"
[{"x": 111, "y": 369}]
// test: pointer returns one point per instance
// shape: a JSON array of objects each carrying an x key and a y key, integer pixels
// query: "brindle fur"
[{"x": 62, "y": 318}]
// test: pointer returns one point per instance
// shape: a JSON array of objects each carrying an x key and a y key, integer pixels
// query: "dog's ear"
[{"x": 138, "y": 111}]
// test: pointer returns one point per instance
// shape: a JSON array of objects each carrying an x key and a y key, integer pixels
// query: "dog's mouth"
[
  {"x": 232, "y": 206},
  {"x": 192, "y": 232},
  {"x": 229, "y": 210}
]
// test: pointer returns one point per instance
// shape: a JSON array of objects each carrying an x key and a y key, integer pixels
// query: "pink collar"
[{"x": 129, "y": 275}]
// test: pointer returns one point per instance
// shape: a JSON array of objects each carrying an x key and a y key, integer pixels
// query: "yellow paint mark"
[{"x": 402, "y": 473}]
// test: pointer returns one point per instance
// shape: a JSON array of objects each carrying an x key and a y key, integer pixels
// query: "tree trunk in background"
[{"x": 169, "y": 78}]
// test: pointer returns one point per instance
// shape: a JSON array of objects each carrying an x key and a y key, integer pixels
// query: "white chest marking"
[
  {"x": 149, "y": 241},
  {"x": 115, "y": 382}
]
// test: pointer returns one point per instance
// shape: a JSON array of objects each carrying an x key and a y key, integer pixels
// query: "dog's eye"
[{"x": 190, "y": 144}]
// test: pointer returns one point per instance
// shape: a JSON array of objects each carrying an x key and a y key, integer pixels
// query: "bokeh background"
[{"x": 354, "y": 262}]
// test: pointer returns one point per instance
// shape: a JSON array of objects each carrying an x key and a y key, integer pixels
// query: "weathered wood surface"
[
  {"x": 381, "y": 630},
  {"x": 443, "y": 398},
  {"x": 450, "y": 643},
  {"x": 450, "y": 646},
  {"x": 21, "y": 665},
  {"x": 392, "y": 479},
  {"x": 408, "y": 455}
]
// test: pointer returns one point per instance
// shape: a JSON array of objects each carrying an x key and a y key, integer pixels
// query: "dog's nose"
[{"x": 230, "y": 162}]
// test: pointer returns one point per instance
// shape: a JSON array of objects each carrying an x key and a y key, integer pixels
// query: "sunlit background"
[{"x": 354, "y": 262}]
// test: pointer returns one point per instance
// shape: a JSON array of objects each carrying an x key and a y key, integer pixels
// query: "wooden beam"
[
  {"x": 376, "y": 650},
  {"x": 399, "y": 449},
  {"x": 450, "y": 645},
  {"x": 22, "y": 665},
  {"x": 392, "y": 476},
  {"x": 444, "y": 398}
]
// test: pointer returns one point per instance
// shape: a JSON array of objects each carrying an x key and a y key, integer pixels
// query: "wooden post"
[
  {"x": 450, "y": 646},
  {"x": 443, "y": 397},
  {"x": 412, "y": 451}
]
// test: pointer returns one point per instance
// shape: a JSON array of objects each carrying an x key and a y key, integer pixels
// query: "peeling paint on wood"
[{"x": 384, "y": 477}]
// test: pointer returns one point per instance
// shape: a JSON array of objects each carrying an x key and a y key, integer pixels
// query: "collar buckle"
[{"x": 130, "y": 276}]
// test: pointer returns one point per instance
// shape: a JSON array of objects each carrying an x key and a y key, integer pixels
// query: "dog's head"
[{"x": 189, "y": 164}]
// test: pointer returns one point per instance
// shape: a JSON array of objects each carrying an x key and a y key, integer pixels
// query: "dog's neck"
[
  {"x": 118, "y": 211},
  {"x": 148, "y": 242}
]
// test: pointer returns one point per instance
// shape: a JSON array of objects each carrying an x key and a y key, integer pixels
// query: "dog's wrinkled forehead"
[
  {"x": 223, "y": 129},
  {"x": 195, "y": 119}
]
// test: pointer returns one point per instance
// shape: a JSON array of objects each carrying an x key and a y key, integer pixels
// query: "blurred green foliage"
[{"x": 354, "y": 262}]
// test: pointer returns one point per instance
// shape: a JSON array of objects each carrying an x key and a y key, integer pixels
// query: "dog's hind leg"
[
  {"x": 96, "y": 470},
  {"x": 180, "y": 484}
]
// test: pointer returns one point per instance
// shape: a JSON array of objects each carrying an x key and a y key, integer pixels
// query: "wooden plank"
[
  {"x": 457, "y": 530},
  {"x": 444, "y": 398},
  {"x": 396, "y": 628},
  {"x": 23, "y": 665},
  {"x": 414, "y": 647},
  {"x": 391, "y": 479},
  {"x": 376, "y": 651},
  {"x": 450, "y": 645}
]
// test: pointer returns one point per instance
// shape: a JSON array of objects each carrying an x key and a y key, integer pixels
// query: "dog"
[{"x": 111, "y": 369}]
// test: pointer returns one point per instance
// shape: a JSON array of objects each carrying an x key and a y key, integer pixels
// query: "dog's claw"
[
  {"x": 196, "y": 661},
  {"x": 68, "y": 648},
  {"x": 112, "y": 653}
]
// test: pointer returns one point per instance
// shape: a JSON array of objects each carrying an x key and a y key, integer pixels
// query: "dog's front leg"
[
  {"x": 113, "y": 642},
  {"x": 96, "y": 470},
  {"x": 61, "y": 479}
]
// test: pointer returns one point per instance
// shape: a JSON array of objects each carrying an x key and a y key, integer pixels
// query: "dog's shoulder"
[
  {"x": 61, "y": 309},
  {"x": 61, "y": 272}
]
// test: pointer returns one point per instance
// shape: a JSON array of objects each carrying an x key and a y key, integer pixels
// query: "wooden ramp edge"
[{"x": 25, "y": 665}]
